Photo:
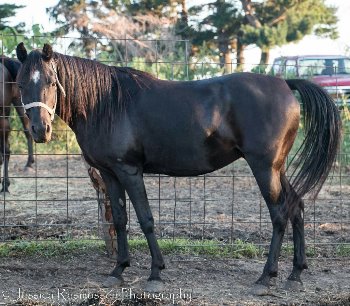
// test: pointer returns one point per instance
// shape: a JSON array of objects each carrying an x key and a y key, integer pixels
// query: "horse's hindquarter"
[
  {"x": 189, "y": 128},
  {"x": 267, "y": 112}
]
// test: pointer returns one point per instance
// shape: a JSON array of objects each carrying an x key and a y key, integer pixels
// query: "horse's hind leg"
[
  {"x": 269, "y": 181},
  {"x": 118, "y": 202},
  {"x": 299, "y": 260}
]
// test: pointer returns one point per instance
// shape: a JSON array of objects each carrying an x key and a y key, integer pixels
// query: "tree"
[
  {"x": 129, "y": 22},
  {"x": 181, "y": 27},
  {"x": 219, "y": 30},
  {"x": 6, "y": 11},
  {"x": 274, "y": 23},
  {"x": 10, "y": 34}
]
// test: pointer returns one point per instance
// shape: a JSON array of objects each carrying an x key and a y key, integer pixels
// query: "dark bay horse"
[
  {"x": 9, "y": 95},
  {"x": 128, "y": 123}
]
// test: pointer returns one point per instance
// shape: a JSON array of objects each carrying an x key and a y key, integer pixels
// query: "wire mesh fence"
[{"x": 55, "y": 200}]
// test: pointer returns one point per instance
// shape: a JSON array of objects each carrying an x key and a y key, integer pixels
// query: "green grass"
[
  {"x": 343, "y": 250},
  {"x": 49, "y": 248},
  {"x": 238, "y": 249},
  {"x": 288, "y": 250}
]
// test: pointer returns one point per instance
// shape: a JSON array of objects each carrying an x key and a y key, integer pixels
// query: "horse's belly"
[
  {"x": 176, "y": 170},
  {"x": 181, "y": 164}
]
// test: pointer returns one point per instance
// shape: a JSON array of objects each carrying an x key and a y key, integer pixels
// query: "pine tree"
[
  {"x": 274, "y": 23},
  {"x": 219, "y": 30},
  {"x": 6, "y": 11}
]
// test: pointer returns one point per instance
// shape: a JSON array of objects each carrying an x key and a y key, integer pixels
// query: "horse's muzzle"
[{"x": 41, "y": 133}]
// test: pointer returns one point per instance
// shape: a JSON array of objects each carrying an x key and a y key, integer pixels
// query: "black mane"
[{"x": 94, "y": 87}]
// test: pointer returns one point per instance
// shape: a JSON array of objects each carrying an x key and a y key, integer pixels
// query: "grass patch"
[
  {"x": 288, "y": 250},
  {"x": 239, "y": 249},
  {"x": 49, "y": 248},
  {"x": 343, "y": 250}
]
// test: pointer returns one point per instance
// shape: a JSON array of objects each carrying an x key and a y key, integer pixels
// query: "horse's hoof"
[
  {"x": 291, "y": 285},
  {"x": 260, "y": 290},
  {"x": 154, "y": 286},
  {"x": 112, "y": 281},
  {"x": 28, "y": 169}
]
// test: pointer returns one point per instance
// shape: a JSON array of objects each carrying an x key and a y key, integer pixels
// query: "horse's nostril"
[
  {"x": 48, "y": 128},
  {"x": 33, "y": 128}
]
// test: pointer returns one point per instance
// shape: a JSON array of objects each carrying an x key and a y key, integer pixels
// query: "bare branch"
[{"x": 280, "y": 18}]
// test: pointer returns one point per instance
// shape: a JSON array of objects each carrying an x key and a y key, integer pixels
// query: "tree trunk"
[
  {"x": 265, "y": 56},
  {"x": 228, "y": 61},
  {"x": 184, "y": 12},
  {"x": 88, "y": 43},
  {"x": 264, "y": 59},
  {"x": 224, "y": 52},
  {"x": 182, "y": 28},
  {"x": 240, "y": 56},
  {"x": 225, "y": 59}
]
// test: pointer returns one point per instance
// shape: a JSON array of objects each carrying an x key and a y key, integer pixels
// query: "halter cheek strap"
[{"x": 41, "y": 104}]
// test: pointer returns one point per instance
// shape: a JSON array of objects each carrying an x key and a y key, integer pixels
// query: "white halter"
[{"x": 41, "y": 104}]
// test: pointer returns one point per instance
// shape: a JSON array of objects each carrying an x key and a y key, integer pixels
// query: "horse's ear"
[
  {"x": 21, "y": 52},
  {"x": 47, "y": 52}
]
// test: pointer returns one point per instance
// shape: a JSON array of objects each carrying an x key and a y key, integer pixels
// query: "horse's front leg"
[
  {"x": 25, "y": 123},
  {"x": 5, "y": 145},
  {"x": 118, "y": 203},
  {"x": 132, "y": 180},
  {"x": 6, "y": 181},
  {"x": 30, "y": 160}
]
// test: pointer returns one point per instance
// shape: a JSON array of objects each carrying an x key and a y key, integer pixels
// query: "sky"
[{"x": 35, "y": 12}]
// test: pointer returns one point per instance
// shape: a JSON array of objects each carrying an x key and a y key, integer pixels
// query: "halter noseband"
[{"x": 41, "y": 104}]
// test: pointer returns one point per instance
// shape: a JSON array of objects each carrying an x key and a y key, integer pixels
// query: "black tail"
[{"x": 323, "y": 135}]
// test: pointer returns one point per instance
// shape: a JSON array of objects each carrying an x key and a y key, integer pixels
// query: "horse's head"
[{"x": 38, "y": 81}]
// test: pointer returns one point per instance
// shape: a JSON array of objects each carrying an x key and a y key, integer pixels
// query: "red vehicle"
[{"x": 329, "y": 71}]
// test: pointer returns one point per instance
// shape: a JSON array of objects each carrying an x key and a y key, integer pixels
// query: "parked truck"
[{"x": 332, "y": 72}]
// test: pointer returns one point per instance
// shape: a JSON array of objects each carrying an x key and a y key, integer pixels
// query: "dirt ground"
[
  {"x": 56, "y": 201},
  {"x": 189, "y": 280}
]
